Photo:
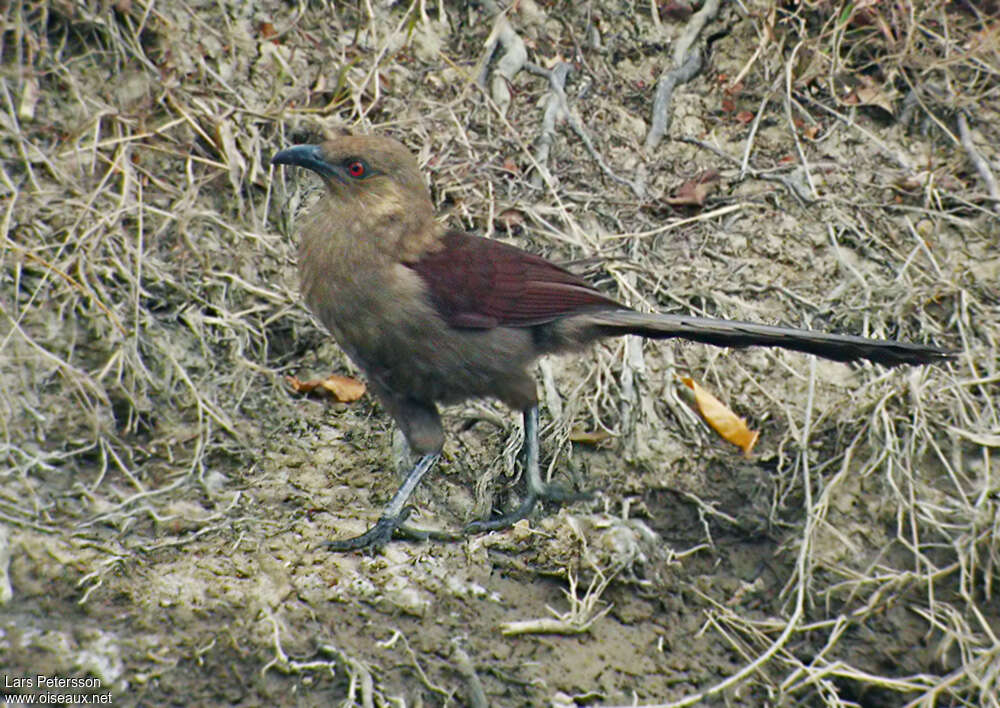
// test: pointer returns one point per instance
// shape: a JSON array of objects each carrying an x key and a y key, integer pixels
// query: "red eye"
[{"x": 356, "y": 169}]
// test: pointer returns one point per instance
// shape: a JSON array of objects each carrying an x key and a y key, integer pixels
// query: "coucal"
[{"x": 433, "y": 315}]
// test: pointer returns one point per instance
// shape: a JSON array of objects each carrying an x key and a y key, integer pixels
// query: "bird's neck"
[
  {"x": 353, "y": 242},
  {"x": 388, "y": 223}
]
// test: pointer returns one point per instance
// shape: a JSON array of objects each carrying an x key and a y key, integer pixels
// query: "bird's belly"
[
  {"x": 410, "y": 351},
  {"x": 445, "y": 365}
]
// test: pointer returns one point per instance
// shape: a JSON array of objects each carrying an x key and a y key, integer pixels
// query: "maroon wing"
[{"x": 480, "y": 283}]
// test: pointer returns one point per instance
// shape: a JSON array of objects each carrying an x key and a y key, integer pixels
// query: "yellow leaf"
[
  {"x": 589, "y": 437},
  {"x": 727, "y": 424}
]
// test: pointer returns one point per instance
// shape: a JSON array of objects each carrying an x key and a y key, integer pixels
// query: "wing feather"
[{"x": 480, "y": 283}]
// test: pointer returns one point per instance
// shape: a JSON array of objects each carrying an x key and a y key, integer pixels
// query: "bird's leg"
[
  {"x": 537, "y": 489},
  {"x": 393, "y": 515}
]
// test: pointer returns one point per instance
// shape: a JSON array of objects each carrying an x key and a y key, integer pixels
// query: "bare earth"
[{"x": 164, "y": 492}]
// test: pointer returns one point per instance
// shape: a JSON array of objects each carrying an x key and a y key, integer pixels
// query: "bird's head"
[
  {"x": 375, "y": 185},
  {"x": 355, "y": 165}
]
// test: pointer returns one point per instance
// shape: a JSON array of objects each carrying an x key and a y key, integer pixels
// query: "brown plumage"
[{"x": 438, "y": 316}]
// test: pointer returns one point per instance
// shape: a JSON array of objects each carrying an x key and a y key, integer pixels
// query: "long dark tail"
[{"x": 728, "y": 333}]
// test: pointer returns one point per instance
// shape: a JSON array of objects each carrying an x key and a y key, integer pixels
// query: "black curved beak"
[{"x": 308, "y": 156}]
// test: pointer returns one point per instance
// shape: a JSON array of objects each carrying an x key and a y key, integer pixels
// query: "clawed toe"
[
  {"x": 549, "y": 492},
  {"x": 374, "y": 538},
  {"x": 384, "y": 530}
]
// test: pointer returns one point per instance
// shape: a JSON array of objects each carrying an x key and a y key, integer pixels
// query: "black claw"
[
  {"x": 387, "y": 527},
  {"x": 551, "y": 493},
  {"x": 561, "y": 495},
  {"x": 373, "y": 539},
  {"x": 384, "y": 530},
  {"x": 527, "y": 506}
]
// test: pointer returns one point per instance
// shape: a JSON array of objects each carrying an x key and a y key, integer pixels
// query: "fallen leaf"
[
  {"x": 266, "y": 30},
  {"x": 727, "y": 424},
  {"x": 873, "y": 96},
  {"x": 341, "y": 388},
  {"x": 511, "y": 220},
  {"x": 858, "y": 89},
  {"x": 695, "y": 190},
  {"x": 589, "y": 437}
]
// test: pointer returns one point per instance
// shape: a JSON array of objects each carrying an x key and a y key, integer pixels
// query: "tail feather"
[{"x": 730, "y": 333}]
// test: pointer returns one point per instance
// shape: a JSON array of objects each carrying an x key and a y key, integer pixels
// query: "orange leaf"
[
  {"x": 727, "y": 424},
  {"x": 267, "y": 30},
  {"x": 341, "y": 388}
]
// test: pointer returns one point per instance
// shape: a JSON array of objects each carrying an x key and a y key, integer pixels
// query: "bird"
[{"x": 435, "y": 316}]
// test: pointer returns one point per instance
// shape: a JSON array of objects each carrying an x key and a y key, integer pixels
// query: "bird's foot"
[
  {"x": 385, "y": 529},
  {"x": 549, "y": 492},
  {"x": 374, "y": 538}
]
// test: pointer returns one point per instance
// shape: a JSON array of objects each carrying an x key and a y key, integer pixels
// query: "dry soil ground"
[{"x": 163, "y": 492}]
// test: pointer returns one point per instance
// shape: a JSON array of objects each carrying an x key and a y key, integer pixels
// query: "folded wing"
[{"x": 480, "y": 283}]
